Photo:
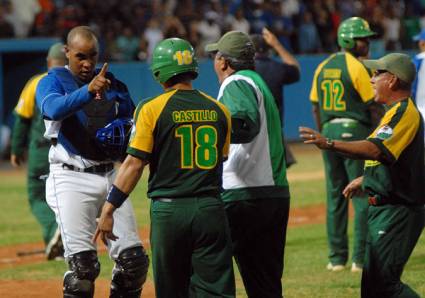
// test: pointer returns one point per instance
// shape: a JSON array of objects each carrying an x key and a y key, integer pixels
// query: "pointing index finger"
[{"x": 103, "y": 70}]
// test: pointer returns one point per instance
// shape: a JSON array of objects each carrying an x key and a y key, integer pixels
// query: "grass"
[{"x": 306, "y": 249}]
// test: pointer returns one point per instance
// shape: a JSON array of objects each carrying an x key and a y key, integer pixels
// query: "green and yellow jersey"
[
  {"x": 342, "y": 89},
  {"x": 184, "y": 135},
  {"x": 26, "y": 106},
  {"x": 29, "y": 128},
  {"x": 400, "y": 137}
]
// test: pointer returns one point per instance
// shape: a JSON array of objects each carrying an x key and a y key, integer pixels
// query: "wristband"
[{"x": 116, "y": 197}]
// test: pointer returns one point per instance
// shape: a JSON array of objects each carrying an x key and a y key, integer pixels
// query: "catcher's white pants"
[{"x": 77, "y": 199}]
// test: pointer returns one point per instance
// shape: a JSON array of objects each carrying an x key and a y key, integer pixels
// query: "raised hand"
[
  {"x": 270, "y": 38},
  {"x": 99, "y": 84}
]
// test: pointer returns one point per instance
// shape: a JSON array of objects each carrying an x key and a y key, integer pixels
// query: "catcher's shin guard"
[
  {"x": 84, "y": 268},
  {"x": 129, "y": 273}
]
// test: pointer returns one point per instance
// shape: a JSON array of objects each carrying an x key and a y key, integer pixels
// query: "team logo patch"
[{"x": 385, "y": 132}]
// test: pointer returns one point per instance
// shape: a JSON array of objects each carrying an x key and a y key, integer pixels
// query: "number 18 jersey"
[
  {"x": 184, "y": 135},
  {"x": 342, "y": 88}
]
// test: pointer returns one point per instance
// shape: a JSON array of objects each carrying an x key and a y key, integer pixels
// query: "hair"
[
  {"x": 238, "y": 64},
  {"x": 181, "y": 78},
  {"x": 82, "y": 31},
  {"x": 260, "y": 44},
  {"x": 402, "y": 85}
]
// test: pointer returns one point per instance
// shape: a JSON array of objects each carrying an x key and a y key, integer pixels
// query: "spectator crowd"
[{"x": 130, "y": 30}]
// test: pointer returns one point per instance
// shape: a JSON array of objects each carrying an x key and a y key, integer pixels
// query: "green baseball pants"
[
  {"x": 38, "y": 169},
  {"x": 393, "y": 231},
  {"x": 258, "y": 230},
  {"x": 339, "y": 171},
  {"x": 191, "y": 248}
]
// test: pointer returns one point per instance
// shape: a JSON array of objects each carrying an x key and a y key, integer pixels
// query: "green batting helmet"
[
  {"x": 171, "y": 57},
  {"x": 351, "y": 29}
]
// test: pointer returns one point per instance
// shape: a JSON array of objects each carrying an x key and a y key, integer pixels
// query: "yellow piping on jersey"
[
  {"x": 26, "y": 104},
  {"x": 360, "y": 77},
  {"x": 405, "y": 129},
  {"x": 146, "y": 122}
]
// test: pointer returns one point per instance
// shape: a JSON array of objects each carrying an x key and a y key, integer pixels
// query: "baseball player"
[
  {"x": 28, "y": 133},
  {"x": 183, "y": 134},
  {"x": 78, "y": 101},
  {"x": 393, "y": 177},
  {"x": 342, "y": 99},
  {"x": 256, "y": 192}
]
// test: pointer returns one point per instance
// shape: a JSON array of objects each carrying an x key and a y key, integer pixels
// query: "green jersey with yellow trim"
[
  {"x": 28, "y": 130},
  {"x": 342, "y": 88},
  {"x": 184, "y": 135},
  {"x": 400, "y": 137}
]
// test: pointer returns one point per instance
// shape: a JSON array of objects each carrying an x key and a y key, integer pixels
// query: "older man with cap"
[
  {"x": 28, "y": 133},
  {"x": 256, "y": 192},
  {"x": 393, "y": 177}
]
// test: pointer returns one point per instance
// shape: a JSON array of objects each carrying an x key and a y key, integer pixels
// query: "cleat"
[
  {"x": 335, "y": 268},
  {"x": 356, "y": 268}
]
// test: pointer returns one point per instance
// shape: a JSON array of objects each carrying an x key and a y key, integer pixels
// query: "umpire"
[{"x": 393, "y": 177}]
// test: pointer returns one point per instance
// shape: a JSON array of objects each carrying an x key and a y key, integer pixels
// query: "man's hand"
[
  {"x": 16, "y": 160},
  {"x": 283, "y": 53},
  {"x": 99, "y": 84},
  {"x": 105, "y": 224},
  {"x": 310, "y": 136},
  {"x": 354, "y": 188},
  {"x": 270, "y": 38}
]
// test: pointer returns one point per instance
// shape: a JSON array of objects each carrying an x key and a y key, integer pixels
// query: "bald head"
[
  {"x": 82, "y": 51},
  {"x": 81, "y": 32}
]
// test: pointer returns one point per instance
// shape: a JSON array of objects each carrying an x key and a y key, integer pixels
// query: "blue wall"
[{"x": 141, "y": 84}]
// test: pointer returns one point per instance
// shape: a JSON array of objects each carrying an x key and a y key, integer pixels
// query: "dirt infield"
[{"x": 53, "y": 288}]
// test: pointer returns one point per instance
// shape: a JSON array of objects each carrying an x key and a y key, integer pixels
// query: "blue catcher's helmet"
[{"x": 114, "y": 137}]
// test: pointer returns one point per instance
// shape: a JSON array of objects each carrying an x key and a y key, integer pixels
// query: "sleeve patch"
[{"x": 384, "y": 133}]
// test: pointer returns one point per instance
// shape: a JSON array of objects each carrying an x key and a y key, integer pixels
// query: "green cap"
[
  {"x": 234, "y": 44},
  {"x": 396, "y": 63},
  {"x": 56, "y": 51}
]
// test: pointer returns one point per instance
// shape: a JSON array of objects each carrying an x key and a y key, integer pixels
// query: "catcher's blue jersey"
[{"x": 60, "y": 97}]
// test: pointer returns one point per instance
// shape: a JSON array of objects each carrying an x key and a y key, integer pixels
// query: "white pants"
[{"x": 77, "y": 199}]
